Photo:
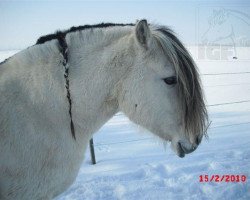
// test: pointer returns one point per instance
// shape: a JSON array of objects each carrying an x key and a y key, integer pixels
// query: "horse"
[{"x": 57, "y": 93}]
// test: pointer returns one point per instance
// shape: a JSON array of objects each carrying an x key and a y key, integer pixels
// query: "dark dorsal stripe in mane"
[
  {"x": 63, "y": 47},
  {"x": 58, "y": 34}
]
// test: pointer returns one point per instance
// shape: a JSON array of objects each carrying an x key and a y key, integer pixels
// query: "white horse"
[{"x": 56, "y": 94}]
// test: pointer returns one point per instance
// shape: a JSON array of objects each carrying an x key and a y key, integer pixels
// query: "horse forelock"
[{"x": 190, "y": 92}]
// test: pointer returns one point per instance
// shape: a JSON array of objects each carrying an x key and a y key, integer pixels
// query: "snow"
[{"x": 133, "y": 164}]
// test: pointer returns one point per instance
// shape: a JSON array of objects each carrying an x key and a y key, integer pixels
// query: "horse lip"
[
  {"x": 185, "y": 150},
  {"x": 181, "y": 152}
]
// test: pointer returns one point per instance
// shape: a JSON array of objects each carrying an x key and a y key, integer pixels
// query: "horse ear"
[{"x": 142, "y": 33}]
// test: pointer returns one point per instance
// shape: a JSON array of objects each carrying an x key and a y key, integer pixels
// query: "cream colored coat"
[{"x": 110, "y": 70}]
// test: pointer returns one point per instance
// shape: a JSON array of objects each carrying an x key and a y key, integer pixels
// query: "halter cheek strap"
[{"x": 63, "y": 47}]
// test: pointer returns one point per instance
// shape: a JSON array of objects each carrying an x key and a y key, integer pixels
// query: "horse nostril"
[
  {"x": 197, "y": 141},
  {"x": 185, "y": 150},
  {"x": 181, "y": 150}
]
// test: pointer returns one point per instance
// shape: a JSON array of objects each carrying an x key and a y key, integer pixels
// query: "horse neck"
[{"x": 97, "y": 62}]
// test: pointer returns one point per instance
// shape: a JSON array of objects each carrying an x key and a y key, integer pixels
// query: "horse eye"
[{"x": 170, "y": 80}]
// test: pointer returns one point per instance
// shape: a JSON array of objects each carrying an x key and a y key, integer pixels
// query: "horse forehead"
[{"x": 162, "y": 66}]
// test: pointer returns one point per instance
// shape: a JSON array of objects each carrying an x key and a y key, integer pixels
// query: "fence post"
[{"x": 92, "y": 151}]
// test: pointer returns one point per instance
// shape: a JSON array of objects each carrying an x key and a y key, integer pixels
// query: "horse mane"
[
  {"x": 190, "y": 93},
  {"x": 59, "y": 34}
]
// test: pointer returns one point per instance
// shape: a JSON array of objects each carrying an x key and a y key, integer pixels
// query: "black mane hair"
[
  {"x": 191, "y": 97},
  {"x": 61, "y": 34}
]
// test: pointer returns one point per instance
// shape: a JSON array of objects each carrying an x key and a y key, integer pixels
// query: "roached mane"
[{"x": 190, "y": 93}]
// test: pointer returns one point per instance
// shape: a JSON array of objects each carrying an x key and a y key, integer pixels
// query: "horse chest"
[
  {"x": 53, "y": 170},
  {"x": 60, "y": 168}
]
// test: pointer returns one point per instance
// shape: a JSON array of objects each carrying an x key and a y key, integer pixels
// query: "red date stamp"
[{"x": 228, "y": 178}]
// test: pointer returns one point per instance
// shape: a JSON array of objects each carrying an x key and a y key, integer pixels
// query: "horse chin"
[
  {"x": 176, "y": 147},
  {"x": 180, "y": 151}
]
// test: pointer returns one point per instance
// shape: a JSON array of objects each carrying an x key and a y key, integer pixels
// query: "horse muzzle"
[{"x": 181, "y": 148}]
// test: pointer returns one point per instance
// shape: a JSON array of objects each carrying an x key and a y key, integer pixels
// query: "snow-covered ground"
[{"x": 133, "y": 164}]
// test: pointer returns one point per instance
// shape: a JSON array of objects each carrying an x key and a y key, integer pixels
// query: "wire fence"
[
  {"x": 224, "y": 73},
  {"x": 152, "y": 137},
  {"x": 234, "y": 84},
  {"x": 228, "y": 103},
  {"x": 210, "y": 105}
]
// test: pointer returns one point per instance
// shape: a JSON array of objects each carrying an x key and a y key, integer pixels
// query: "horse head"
[{"x": 162, "y": 90}]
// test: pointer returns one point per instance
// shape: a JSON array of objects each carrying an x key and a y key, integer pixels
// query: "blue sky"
[{"x": 22, "y": 22}]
